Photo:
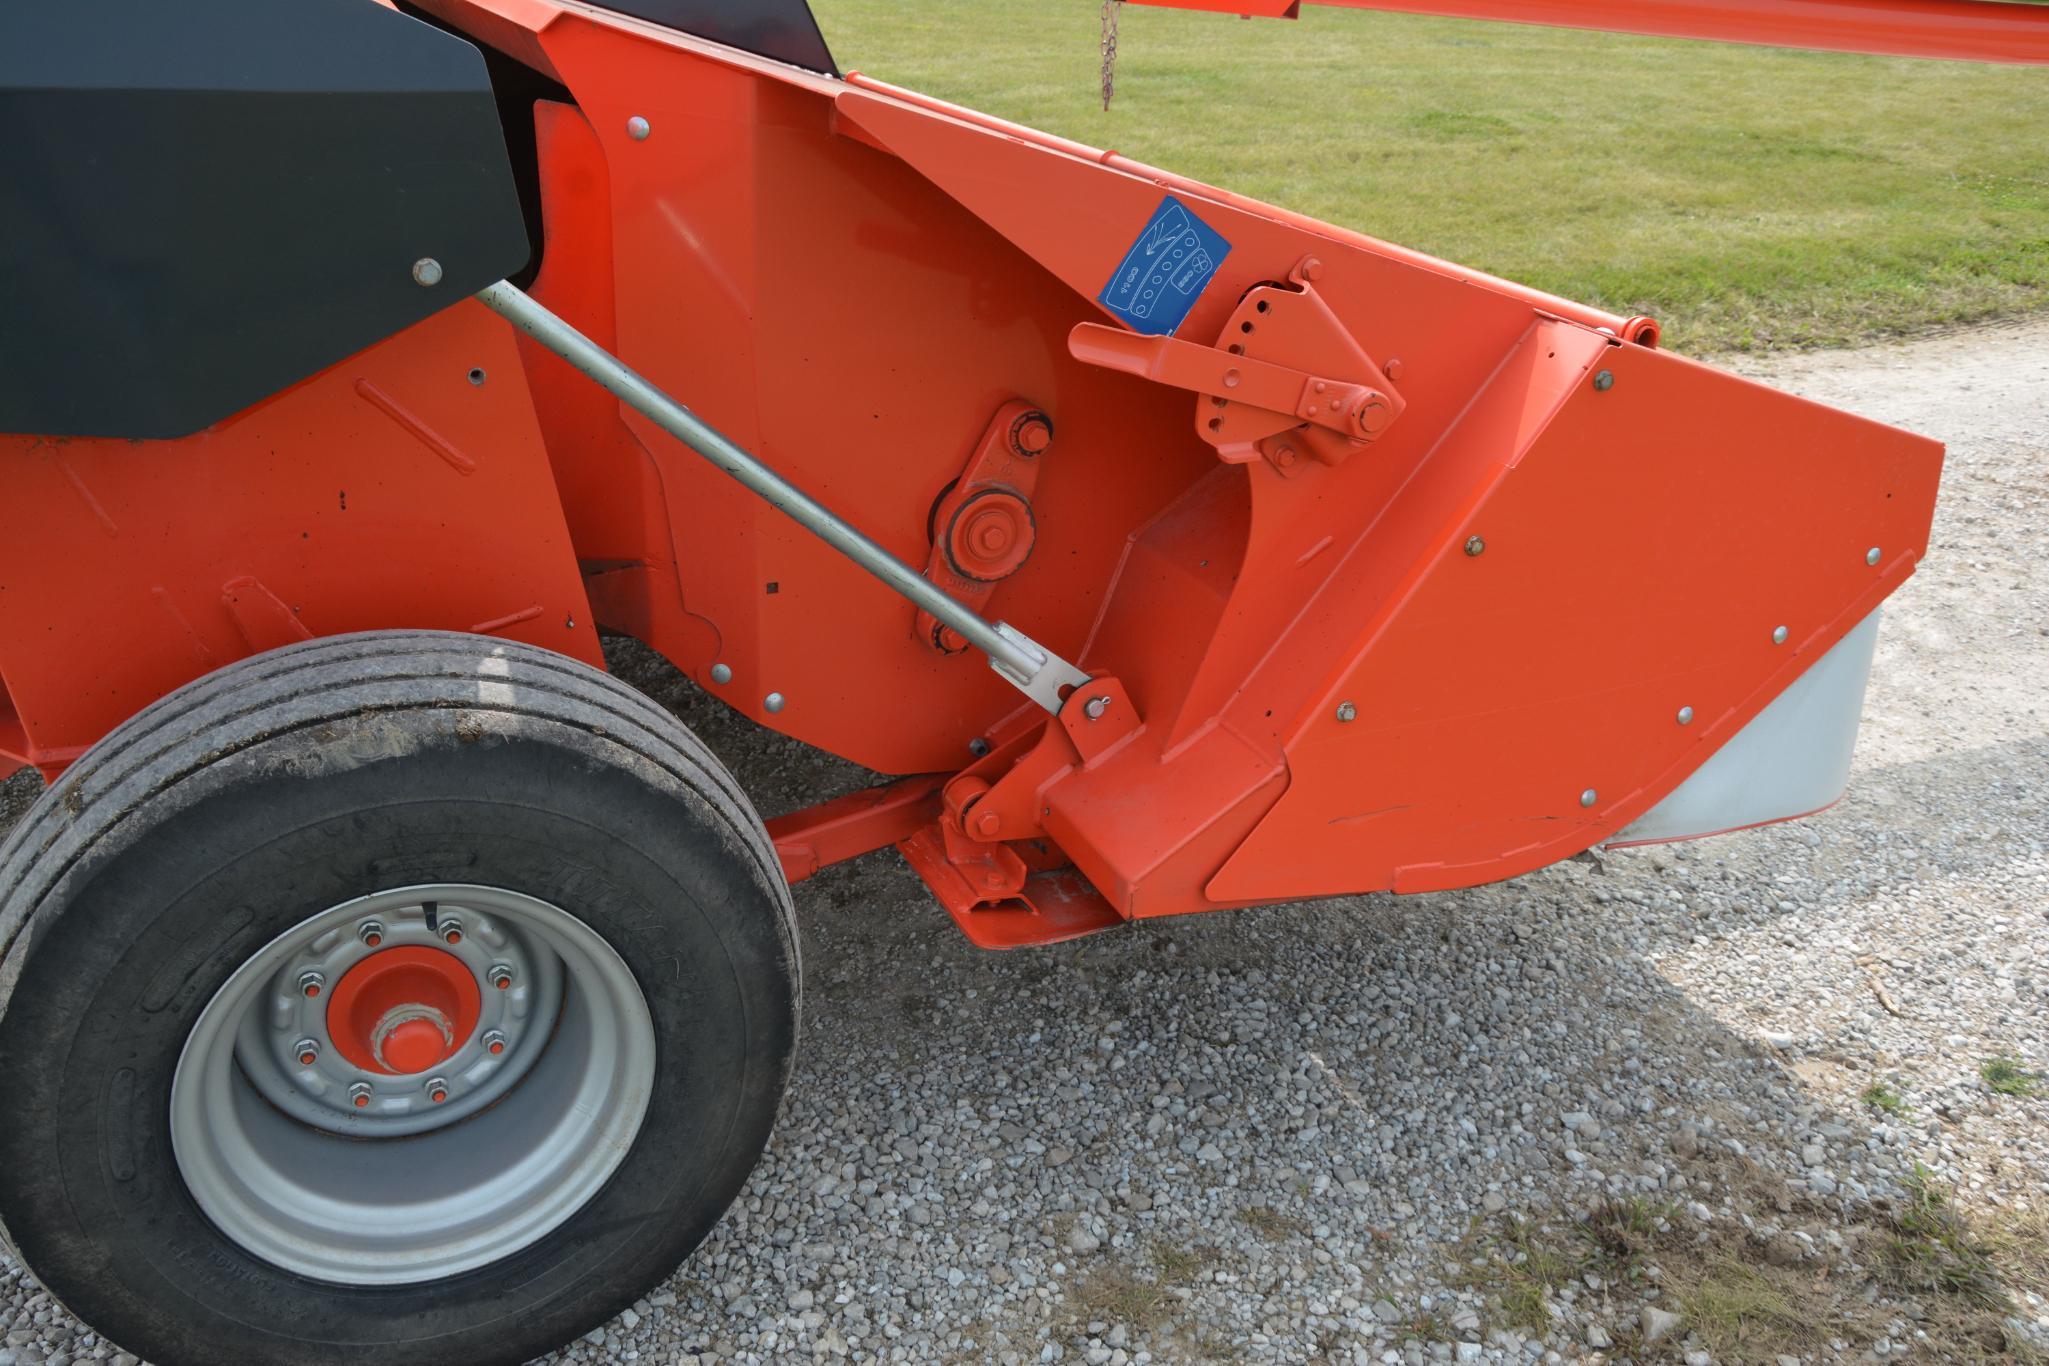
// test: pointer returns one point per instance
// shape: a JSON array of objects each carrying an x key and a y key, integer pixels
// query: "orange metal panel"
[
  {"x": 405, "y": 486},
  {"x": 1638, "y": 544}
]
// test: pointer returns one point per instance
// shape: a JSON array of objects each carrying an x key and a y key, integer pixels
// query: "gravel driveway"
[{"x": 1720, "y": 1101}]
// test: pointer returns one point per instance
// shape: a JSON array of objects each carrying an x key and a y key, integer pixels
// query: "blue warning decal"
[{"x": 1166, "y": 270}]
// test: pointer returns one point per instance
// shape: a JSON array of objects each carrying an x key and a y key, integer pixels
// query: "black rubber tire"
[{"x": 260, "y": 795}]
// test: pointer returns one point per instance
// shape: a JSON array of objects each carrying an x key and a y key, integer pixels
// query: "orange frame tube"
[{"x": 1958, "y": 30}]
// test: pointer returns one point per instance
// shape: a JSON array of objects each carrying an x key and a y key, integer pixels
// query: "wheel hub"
[
  {"x": 403, "y": 1010},
  {"x": 412, "y": 1084}
]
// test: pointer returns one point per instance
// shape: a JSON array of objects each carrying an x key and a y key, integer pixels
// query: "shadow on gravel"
[
  {"x": 1360, "y": 1126},
  {"x": 1537, "y": 1117}
]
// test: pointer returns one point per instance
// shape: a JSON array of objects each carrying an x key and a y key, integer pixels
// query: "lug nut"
[
  {"x": 501, "y": 977},
  {"x": 371, "y": 933},
  {"x": 437, "y": 1090},
  {"x": 494, "y": 1042},
  {"x": 310, "y": 984},
  {"x": 359, "y": 1095},
  {"x": 451, "y": 931},
  {"x": 307, "y": 1050}
]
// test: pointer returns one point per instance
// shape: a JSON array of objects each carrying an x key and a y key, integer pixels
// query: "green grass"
[
  {"x": 1883, "y": 1096},
  {"x": 1747, "y": 197},
  {"x": 2008, "y": 1078}
]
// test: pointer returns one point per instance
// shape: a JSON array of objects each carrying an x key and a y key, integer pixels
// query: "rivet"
[
  {"x": 426, "y": 271},
  {"x": 1779, "y": 634},
  {"x": 721, "y": 673},
  {"x": 638, "y": 128},
  {"x": 1686, "y": 716},
  {"x": 1604, "y": 380},
  {"x": 1589, "y": 797},
  {"x": 1095, "y": 707},
  {"x": 306, "y": 1050},
  {"x": 1474, "y": 545},
  {"x": 310, "y": 984},
  {"x": 1346, "y": 711},
  {"x": 477, "y": 375},
  {"x": 1871, "y": 555},
  {"x": 774, "y": 701},
  {"x": 359, "y": 1095}
]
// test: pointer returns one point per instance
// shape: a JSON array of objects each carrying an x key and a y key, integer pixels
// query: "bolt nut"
[
  {"x": 988, "y": 824},
  {"x": 1604, "y": 380},
  {"x": 1779, "y": 634},
  {"x": 427, "y": 271},
  {"x": 359, "y": 1095},
  {"x": 1589, "y": 797},
  {"x": 1347, "y": 712},
  {"x": 450, "y": 930},
  {"x": 1094, "y": 708},
  {"x": 437, "y": 1089},
  {"x": 638, "y": 128},
  {"x": 1475, "y": 546},
  {"x": 310, "y": 984},
  {"x": 1871, "y": 556},
  {"x": 306, "y": 1051},
  {"x": 494, "y": 1042},
  {"x": 1686, "y": 716},
  {"x": 371, "y": 933},
  {"x": 501, "y": 976}
]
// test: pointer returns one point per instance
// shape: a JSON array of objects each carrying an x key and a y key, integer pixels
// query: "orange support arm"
[{"x": 1962, "y": 30}]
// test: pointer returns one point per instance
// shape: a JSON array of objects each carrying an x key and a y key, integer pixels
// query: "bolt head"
[
  {"x": 775, "y": 701},
  {"x": 1604, "y": 380},
  {"x": 1347, "y": 712},
  {"x": 1686, "y": 716},
  {"x": 638, "y": 128},
  {"x": 1779, "y": 634},
  {"x": 721, "y": 673},
  {"x": 427, "y": 271},
  {"x": 1475, "y": 546},
  {"x": 978, "y": 747},
  {"x": 1871, "y": 556},
  {"x": 1095, "y": 707},
  {"x": 1589, "y": 797}
]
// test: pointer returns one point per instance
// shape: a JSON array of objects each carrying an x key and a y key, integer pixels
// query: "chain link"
[{"x": 1110, "y": 11}]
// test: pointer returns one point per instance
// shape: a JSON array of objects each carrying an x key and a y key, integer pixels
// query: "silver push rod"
[{"x": 1038, "y": 672}]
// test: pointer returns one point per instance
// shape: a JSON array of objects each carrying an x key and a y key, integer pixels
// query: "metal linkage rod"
[{"x": 1035, "y": 670}]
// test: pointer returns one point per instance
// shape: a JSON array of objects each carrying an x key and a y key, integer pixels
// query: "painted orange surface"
[{"x": 1257, "y": 534}]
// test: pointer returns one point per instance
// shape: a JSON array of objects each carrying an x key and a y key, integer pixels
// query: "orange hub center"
[{"x": 403, "y": 1009}]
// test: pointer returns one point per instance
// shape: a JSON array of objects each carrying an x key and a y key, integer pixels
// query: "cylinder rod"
[{"x": 1037, "y": 671}]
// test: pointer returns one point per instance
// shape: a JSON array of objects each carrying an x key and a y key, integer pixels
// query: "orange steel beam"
[{"x": 1960, "y": 30}]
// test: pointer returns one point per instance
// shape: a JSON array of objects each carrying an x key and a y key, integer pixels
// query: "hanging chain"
[{"x": 1110, "y": 9}]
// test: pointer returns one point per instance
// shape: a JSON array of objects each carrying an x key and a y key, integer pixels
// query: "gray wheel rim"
[{"x": 366, "y": 1178}]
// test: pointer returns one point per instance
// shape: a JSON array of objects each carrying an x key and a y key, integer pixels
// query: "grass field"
[{"x": 1748, "y": 197}]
